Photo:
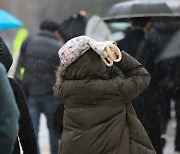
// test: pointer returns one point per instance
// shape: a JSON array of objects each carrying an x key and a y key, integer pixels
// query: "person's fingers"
[
  {"x": 104, "y": 54},
  {"x": 114, "y": 53},
  {"x": 108, "y": 61},
  {"x": 111, "y": 54}
]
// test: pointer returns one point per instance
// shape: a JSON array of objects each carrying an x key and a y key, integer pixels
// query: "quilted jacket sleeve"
[{"x": 136, "y": 77}]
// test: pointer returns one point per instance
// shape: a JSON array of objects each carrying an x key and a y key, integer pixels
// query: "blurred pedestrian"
[
  {"x": 164, "y": 32},
  {"x": 9, "y": 114},
  {"x": 134, "y": 35},
  {"x": 25, "y": 136},
  {"x": 147, "y": 104},
  {"x": 39, "y": 58},
  {"x": 99, "y": 117},
  {"x": 74, "y": 25}
]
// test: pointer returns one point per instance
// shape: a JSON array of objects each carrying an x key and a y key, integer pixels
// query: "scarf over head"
[{"x": 77, "y": 46}]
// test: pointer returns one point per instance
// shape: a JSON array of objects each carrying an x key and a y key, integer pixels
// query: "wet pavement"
[
  {"x": 44, "y": 139},
  {"x": 43, "y": 136},
  {"x": 171, "y": 130}
]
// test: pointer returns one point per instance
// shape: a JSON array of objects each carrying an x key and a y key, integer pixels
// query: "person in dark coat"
[
  {"x": 134, "y": 35},
  {"x": 9, "y": 114},
  {"x": 163, "y": 33},
  {"x": 26, "y": 133},
  {"x": 99, "y": 117},
  {"x": 173, "y": 84},
  {"x": 39, "y": 58},
  {"x": 74, "y": 25},
  {"x": 146, "y": 104}
]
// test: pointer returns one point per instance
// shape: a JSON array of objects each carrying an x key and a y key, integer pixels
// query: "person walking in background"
[
  {"x": 74, "y": 26},
  {"x": 39, "y": 58},
  {"x": 134, "y": 35},
  {"x": 146, "y": 104},
  {"x": 9, "y": 114},
  {"x": 99, "y": 117},
  {"x": 165, "y": 34}
]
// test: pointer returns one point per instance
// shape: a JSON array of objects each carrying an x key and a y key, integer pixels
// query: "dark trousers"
[
  {"x": 47, "y": 105},
  {"x": 165, "y": 111},
  {"x": 177, "y": 109}
]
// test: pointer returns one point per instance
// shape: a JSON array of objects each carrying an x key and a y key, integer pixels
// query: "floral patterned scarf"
[{"x": 77, "y": 46}]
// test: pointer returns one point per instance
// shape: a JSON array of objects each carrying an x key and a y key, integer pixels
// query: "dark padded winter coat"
[
  {"x": 132, "y": 41},
  {"x": 9, "y": 114},
  {"x": 39, "y": 57},
  {"x": 26, "y": 133},
  {"x": 99, "y": 117}
]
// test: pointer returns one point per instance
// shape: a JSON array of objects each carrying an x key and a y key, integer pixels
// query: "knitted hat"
[{"x": 77, "y": 46}]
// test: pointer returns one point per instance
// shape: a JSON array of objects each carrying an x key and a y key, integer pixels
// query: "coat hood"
[{"x": 5, "y": 55}]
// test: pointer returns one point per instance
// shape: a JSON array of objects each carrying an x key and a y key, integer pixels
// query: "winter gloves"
[{"x": 77, "y": 46}]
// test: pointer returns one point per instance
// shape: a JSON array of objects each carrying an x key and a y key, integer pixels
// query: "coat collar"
[{"x": 47, "y": 33}]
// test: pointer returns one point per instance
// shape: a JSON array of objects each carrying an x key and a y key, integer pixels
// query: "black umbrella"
[{"x": 143, "y": 8}]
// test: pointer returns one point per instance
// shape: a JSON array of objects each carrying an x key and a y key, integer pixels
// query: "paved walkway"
[
  {"x": 169, "y": 147},
  {"x": 43, "y": 136}
]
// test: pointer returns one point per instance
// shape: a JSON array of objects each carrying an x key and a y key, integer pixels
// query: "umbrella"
[
  {"x": 143, "y": 8},
  {"x": 173, "y": 48},
  {"x": 8, "y": 21}
]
